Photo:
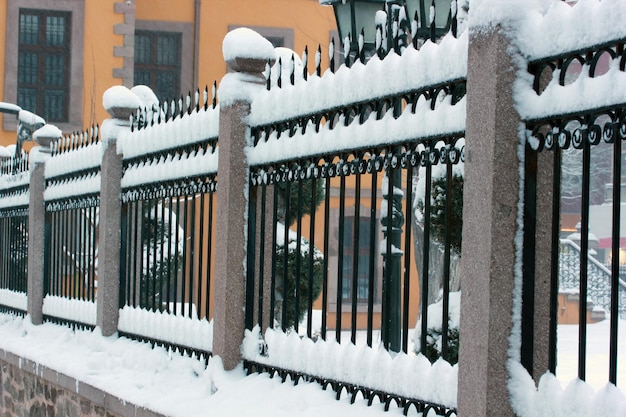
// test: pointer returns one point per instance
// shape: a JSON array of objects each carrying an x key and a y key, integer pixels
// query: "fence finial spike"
[
  {"x": 318, "y": 61},
  {"x": 305, "y": 63},
  {"x": 214, "y": 93},
  {"x": 331, "y": 54}
]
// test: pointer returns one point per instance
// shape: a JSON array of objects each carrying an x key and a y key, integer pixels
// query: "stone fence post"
[
  {"x": 120, "y": 102},
  {"x": 490, "y": 214},
  {"x": 37, "y": 221},
  {"x": 247, "y": 54}
]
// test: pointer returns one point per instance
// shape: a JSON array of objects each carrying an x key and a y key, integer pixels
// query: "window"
[
  {"x": 158, "y": 62},
  {"x": 44, "y": 49},
  {"x": 363, "y": 252},
  {"x": 29, "y": 42}
]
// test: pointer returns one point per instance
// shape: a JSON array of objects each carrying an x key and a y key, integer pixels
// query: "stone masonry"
[{"x": 31, "y": 390}]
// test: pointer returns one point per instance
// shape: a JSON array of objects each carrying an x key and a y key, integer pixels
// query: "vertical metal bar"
[
  {"x": 325, "y": 269},
  {"x": 298, "y": 258},
  {"x": 340, "y": 250},
  {"x": 137, "y": 246},
  {"x": 171, "y": 239},
  {"x": 554, "y": 263},
  {"x": 371, "y": 283},
  {"x": 615, "y": 246},
  {"x": 355, "y": 254},
  {"x": 209, "y": 256},
  {"x": 250, "y": 258},
  {"x": 192, "y": 254},
  {"x": 313, "y": 209},
  {"x": 65, "y": 287},
  {"x": 47, "y": 251},
  {"x": 285, "y": 270},
  {"x": 201, "y": 277},
  {"x": 426, "y": 257},
  {"x": 274, "y": 259},
  {"x": 177, "y": 254},
  {"x": 164, "y": 239},
  {"x": 123, "y": 257},
  {"x": 261, "y": 257},
  {"x": 156, "y": 241},
  {"x": 446, "y": 266},
  {"x": 584, "y": 260},
  {"x": 184, "y": 260},
  {"x": 407, "y": 258},
  {"x": 528, "y": 254}
]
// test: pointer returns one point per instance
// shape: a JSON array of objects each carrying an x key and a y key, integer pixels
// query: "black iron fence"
[
  {"x": 14, "y": 251},
  {"x": 168, "y": 204},
  {"x": 355, "y": 231},
  {"x": 583, "y": 144}
]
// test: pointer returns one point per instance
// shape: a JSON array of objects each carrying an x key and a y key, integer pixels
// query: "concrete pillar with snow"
[
  {"x": 247, "y": 54},
  {"x": 490, "y": 215},
  {"x": 120, "y": 103},
  {"x": 37, "y": 220}
]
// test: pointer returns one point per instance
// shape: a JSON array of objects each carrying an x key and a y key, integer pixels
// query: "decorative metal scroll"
[
  {"x": 371, "y": 395},
  {"x": 71, "y": 203},
  {"x": 177, "y": 188},
  {"x": 14, "y": 212},
  {"x": 363, "y": 161}
]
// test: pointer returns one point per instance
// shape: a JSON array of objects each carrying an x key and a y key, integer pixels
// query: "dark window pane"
[
  {"x": 167, "y": 50},
  {"x": 29, "y": 29},
  {"x": 53, "y": 105},
  {"x": 142, "y": 78},
  {"x": 55, "y": 30},
  {"x": 54, "y": 70},
  {"x": 157, "y": 62},
  {"x": 27, "y": 98},
  {"x": 27, "y": 68},
  {"x": 166, "y": 85},
  {"x": 276, "y": 41},
  {"x": 142, "y": 49}
]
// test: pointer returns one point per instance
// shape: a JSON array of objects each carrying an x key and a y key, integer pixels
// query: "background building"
[{"x": 59, "y": 56}]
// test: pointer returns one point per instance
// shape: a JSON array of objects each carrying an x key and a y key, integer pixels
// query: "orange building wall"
[{"x": 311, "y": 23}]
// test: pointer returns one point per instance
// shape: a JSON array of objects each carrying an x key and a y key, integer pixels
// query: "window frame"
[
  {"x": 187, "y": 61},
  {"x": 76, "y": 81},
  {"x": 42, "y": 51}
]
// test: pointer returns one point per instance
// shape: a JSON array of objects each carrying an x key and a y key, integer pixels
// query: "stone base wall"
[{"x": 31, "y": 390}]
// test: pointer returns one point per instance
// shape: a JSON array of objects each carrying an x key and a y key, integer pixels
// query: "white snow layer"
[
  {"x": 169, "y": 327},
  {"x": 412, "y": 376},
  {"x": 70, "y": 309},
  {"x": 13, "y": 181},
  {"x": 13, "y": 299},
  {"x": 170, "y": 384}
]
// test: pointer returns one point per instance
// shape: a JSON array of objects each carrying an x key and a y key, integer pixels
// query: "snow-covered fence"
[
  {"x": 344, "y": 159},
  {"x": 572, "y": 103},
  {"x": 72, "y": 199},
  {"x": 168, "y": 194},
  {"x": 14, "y": 236}
]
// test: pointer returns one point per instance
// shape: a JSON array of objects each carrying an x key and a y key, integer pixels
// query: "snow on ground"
[
  {"x": 168, "y": 383},
  {"x": 179, "y": 386}
]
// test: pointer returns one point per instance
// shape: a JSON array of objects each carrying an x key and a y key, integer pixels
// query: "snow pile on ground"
[{"x": 168, "y": 383}]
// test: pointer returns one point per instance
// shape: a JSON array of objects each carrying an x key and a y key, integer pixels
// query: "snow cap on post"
[
  {"x": 120, "y": 102},
  {"x": 45, "y": 135},
  {"x": 246, "y": 51},
  {"x": 146, "y": 95}
]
